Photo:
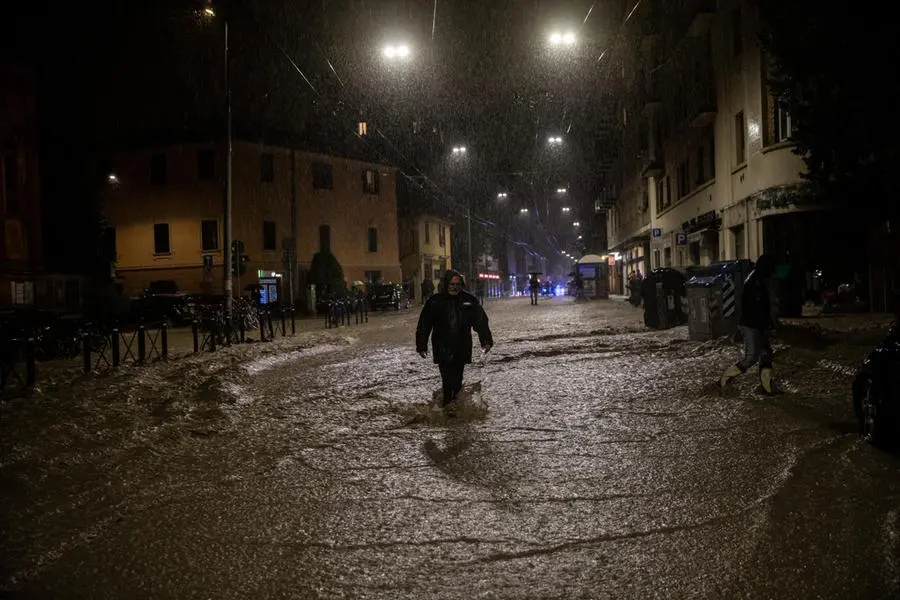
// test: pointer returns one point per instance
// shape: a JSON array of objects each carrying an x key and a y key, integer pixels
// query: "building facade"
[
  {"x": 425, "y": 250},
  {"x": 706, "y": 170},
  {"x": 164, "y": 207},
  {"x": 20, "y": 206}
]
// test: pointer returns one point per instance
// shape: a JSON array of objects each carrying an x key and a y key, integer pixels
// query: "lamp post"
[{"x": 228, "y": 283}]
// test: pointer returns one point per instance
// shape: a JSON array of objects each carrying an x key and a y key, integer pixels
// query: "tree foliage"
[
  {"x": 831, "y": 67},
  {"x": 326, "y": 273}
]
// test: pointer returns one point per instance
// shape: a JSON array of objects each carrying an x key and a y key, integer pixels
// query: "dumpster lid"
[{"x": 703, "y": 280}]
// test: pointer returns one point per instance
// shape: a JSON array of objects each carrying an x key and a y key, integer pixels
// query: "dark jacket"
[
  {"x": 756, "y": 307},
  {"x": 449, "y": 321}
]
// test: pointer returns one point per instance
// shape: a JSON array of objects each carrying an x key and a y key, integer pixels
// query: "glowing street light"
[
  {"x": 562, "y": 39},
  {"x": 112, "y": 178},
  {"x": 554, "y": 139},
  {"x": 566, "y": 209},
  {"x": 523, "y": 211},
  {"x": 561, "y": 190},
  {"x": 576, "y": 224},
  {"x": 401, "y": 51},
  {"x": 502, "y": 195},
  {"x": 459, "y": 150}
]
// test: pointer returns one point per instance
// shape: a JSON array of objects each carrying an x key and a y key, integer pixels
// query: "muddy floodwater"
[{"x": 589, "y": 461}]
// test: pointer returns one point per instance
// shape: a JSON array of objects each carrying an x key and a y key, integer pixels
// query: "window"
[
  {"x": 684, "y": 181},
  {"x": 740, "y": 141},
  {"x": 656, "y": 261},
  {"x": 158, "y": 169},
  {"x": 783, "y": 128},
  {"x": 370, "y": 181},
  {"x": 266, "y": 167},
  {"x": 373, "y": 239},
  {"x": 667, "y": 254},
  {"x": 324, "y": 238},
  {"x": 737, "y": 33},
  {"x": 209, "y": 235},
  {"x": 373, "y": 276},
  {"x": 9, "y": 175},
  {"x": 323, "y": 176},
  {"x": 269, "y": 243},
  {"x": 427, "y": 233},
  {"x": 161, "y": 239},
  {"x": 442, "y": 236},
  {"x": 362, "y": 128},
  {"x": 701, "y": 163},
  {"x": 206, "y": 164}
]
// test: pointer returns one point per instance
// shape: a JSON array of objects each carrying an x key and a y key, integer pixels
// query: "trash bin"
[
  {"x": 662, "y": 290},
  {"x": 714, "y": 299}
]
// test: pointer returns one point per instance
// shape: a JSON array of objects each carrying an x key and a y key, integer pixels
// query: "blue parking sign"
[{"x": 656, "y": 232}]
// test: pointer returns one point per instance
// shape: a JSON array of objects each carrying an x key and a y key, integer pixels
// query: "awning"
[{"x": 697, "y": 236}]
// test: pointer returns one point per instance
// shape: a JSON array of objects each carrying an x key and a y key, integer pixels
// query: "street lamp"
[
  {"x": 399, "y": 51},
  {"x": 502, "y": 195},
  {"x": 562, "y": 39},
  {"x": 459, "y": 150},
  {"x": 112, "y": 178},
  {"x": 576, "y": 224},
  {"x": 566, "y": 209},
  {"x": 561, "y": 190},
  {"x": 554, "y": 139},
  {"x": 523, "y": 211}
]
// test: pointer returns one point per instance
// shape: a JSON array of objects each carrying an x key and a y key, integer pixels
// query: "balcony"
[
  {"x": 652, "y": 167},
  {"x": 701, "y": 106},
  {"x": 700, "y": 13}
]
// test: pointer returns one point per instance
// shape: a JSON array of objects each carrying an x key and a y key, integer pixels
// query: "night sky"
[{"x": 486, "y": 78}]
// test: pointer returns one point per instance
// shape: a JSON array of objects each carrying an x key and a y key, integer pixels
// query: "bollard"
[
  {"x": 86, "y": 348},
  {"x": 293, "y": 322},
  {"x": 164, "y": 333},
  {"x": 262, "y": 325},
  {"x": 30, "y": 368},
  {"x": 241, "y": 329},
  {"x": 271, "y": 331},
  {"x": 283, "y": 323},
  {"x": 142, "y": 344},
  {"x": 196, "y": 337},
  {"x": 114, "y": 346}
]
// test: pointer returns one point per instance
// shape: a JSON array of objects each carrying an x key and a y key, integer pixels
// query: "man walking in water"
[
  {"x": 448, "y": 317},
  {"x": 756, "y": 320}
]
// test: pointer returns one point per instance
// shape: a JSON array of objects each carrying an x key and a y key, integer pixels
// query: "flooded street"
[{"x": 311, "y": 468}]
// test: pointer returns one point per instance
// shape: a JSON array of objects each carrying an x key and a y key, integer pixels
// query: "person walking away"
[
  {"x": 449, "y": 317},
  {"x": 427, "y": 289},
  {"x": 756, "y": 320},
  {"x": 535, "y": 288}
]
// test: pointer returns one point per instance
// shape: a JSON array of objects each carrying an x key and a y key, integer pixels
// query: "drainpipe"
[{"x": 292, "y": 255}]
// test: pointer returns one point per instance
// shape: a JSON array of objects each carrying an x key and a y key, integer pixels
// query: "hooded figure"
[
  {"x": 756, "y": 320},
  {"x": 448, "y": 317}
]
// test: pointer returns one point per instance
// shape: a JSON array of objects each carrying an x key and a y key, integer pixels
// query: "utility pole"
[
  {"x": 471, "y": 281},
  {"x": 228, "y": 283}
]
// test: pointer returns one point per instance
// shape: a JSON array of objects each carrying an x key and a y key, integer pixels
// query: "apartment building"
[
  {"x": 164, "y": 206},
  {"x": 425, "y": 249},
  {"x": 705, "y": 170},
  {"x": 20, "y": 209}
]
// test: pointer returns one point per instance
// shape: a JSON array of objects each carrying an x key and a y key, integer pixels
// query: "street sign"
[
  {"x": 681, "y": 239},
  {"x": 656, "y": 232}
]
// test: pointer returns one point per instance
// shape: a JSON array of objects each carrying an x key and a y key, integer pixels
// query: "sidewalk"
[{"x": 842, "y": 323}]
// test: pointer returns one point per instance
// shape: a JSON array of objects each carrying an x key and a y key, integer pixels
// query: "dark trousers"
[
  {"x": 451, "y": 380},
  {"x": 534, "y": 296}
]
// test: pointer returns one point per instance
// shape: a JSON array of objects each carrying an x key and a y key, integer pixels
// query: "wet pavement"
[{"x": 310, "y": 467}]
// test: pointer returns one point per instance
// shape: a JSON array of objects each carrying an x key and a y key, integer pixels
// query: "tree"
[
  {"x": 326, "y": 272},
  {"x": 825, "y": 68}
]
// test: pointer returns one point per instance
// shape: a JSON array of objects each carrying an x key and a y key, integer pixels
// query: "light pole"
[
  {"x": 228, "y": 284},
  {"x": 459, "y": 152}
]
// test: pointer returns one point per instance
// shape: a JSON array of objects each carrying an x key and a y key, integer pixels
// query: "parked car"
[
  {"x": 876, "y": 393},
  {"x": 388, "y": 295}
]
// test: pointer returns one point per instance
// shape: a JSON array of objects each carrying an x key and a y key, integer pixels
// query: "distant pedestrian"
[
  {"x": 757, "y": 318},
  {"x": 535, "y": 287},
  {"x": 427, "y": 289},
  {"x": 448, "y": 317}
]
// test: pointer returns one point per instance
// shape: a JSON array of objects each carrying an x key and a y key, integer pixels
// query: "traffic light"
[{"x": 239, "y": 260}]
